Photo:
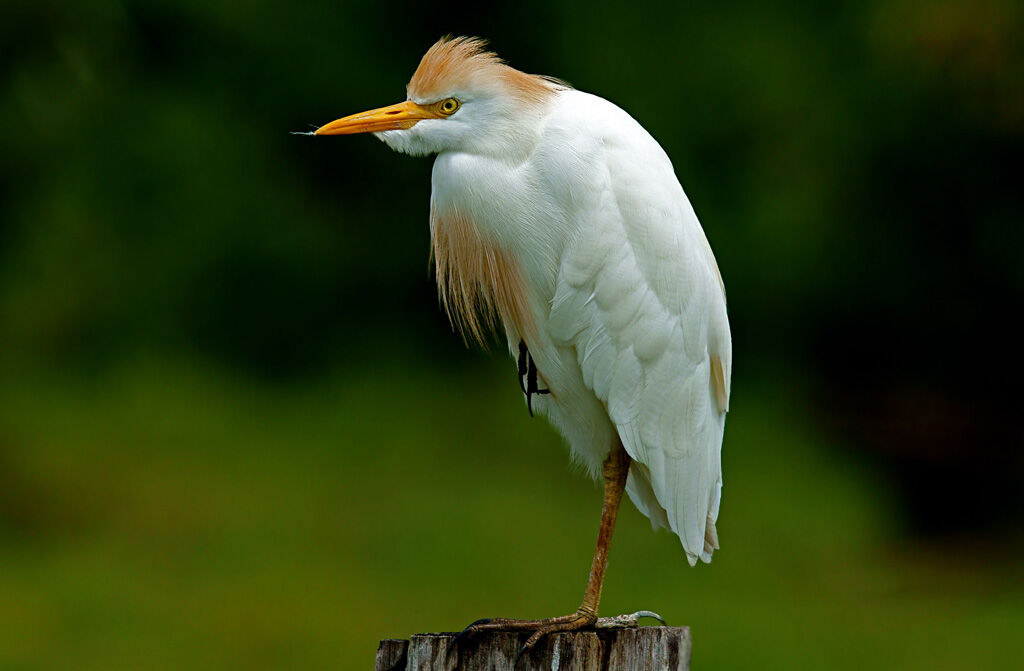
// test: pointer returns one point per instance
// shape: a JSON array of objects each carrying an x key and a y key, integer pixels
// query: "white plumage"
[
  {"x": 629, "y": 310},
  {"x": 556, "y": 211}
]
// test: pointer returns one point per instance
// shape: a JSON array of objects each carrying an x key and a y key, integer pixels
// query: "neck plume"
[{"x": 478, "y": 282}]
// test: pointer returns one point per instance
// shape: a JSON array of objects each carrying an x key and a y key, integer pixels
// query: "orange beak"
[{"x": 395, "y": 117}]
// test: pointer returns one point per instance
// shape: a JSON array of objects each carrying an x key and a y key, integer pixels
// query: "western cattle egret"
[{"x": 558, "y": 220}]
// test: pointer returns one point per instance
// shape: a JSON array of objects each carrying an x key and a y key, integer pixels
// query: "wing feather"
[{"x": 640, "y": 300}]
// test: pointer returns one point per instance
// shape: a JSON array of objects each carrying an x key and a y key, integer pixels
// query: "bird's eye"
[{"x": 449, "y": 106}]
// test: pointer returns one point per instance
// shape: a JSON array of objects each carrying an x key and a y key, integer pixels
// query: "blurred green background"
[{"x": 235, "y": 431}]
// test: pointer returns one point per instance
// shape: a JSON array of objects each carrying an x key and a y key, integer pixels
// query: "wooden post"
[{"x": 619, "y": 649}]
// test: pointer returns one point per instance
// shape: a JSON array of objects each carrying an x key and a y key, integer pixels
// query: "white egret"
[{"x": 557, "y": 219}]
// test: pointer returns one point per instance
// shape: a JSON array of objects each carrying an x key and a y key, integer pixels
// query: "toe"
[{"x": 627, "y": 620}]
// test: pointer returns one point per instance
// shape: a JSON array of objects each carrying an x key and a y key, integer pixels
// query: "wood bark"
[{"x": 621, "y": 649}]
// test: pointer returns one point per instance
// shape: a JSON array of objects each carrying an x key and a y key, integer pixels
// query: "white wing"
[{"x": 640, "y": 299}]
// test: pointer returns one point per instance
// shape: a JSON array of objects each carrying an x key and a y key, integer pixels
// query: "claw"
[
  {"x": 530, "y": 642},
  {"x": 522, "y": 651},
  {"x": 469, "y": 630},
  {"x": 461, "y": 636},
  {"x": 627, "y": 620},
  {"x": 651, "y": 614}
]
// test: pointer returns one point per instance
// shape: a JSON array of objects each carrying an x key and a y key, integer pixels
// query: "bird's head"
[{"x": 461, "y": 98}]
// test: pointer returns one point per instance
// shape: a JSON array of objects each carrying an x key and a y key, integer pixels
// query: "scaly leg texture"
[{"x": 616, "y": 469}]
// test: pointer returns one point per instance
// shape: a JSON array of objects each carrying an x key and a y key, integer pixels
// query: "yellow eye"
[{"x": 449, "y": 106}]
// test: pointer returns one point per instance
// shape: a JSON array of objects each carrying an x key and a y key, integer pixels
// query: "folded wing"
[{"x": 640, "y": 299}]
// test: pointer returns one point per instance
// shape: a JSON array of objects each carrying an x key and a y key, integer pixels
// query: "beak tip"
[{"x": 332, "y": 128}]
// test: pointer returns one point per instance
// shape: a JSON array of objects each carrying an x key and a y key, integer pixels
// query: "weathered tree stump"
[{"x": 621, "y": 649}]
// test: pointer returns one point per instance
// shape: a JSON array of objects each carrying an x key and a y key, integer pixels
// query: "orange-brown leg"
[{"x": 616, "y": 469}]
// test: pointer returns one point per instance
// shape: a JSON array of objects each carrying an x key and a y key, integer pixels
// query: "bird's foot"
[{"x": 581, "y": 619}]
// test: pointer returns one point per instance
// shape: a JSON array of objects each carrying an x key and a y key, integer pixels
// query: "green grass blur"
[{"x": 167, "y": 517}]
